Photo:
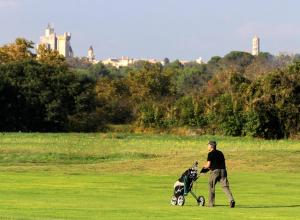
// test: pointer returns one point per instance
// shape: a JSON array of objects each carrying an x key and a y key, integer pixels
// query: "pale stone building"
[
  {"x": 61, "y": 43},
  {"x": 200, "y": 60},
  {"x": 125, "y": 61},
  {"x": 255, "y": 46},
  {"x": 119, "y": 62}
]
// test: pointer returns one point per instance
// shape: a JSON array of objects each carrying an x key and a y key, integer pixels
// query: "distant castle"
[
  {"x": 255, "y": 46},
  {"x": 60, "y": 43}
]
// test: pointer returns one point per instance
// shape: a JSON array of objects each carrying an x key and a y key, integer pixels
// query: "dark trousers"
[{"x": 218, "y": 175}]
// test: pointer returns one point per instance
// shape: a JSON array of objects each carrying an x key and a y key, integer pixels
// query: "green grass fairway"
[{"x": 130, "y": 176}]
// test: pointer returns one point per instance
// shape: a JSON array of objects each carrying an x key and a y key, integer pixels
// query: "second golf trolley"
[{"x": 184, "y": 185}]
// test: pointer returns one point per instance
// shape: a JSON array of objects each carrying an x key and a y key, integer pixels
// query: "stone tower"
[
  {"x": 61, "y": 43},
  {"x": 255, "y": 46},
  {"x": 49, "y": 40},
  {"x": 64, "y": 46},
  {"x": 91, "y": 55}
]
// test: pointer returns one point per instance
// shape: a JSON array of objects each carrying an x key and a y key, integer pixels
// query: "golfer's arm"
[{"x": 207, "y": 165}]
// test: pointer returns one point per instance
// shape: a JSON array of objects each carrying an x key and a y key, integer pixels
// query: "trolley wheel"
[
  {"x": 180, "y": 200},
  {"x": 201, "y": 201},
  {"x": 173, "y": 200}
]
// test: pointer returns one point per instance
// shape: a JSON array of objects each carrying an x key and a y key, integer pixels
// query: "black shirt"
[{"x": 217, "y": 160}]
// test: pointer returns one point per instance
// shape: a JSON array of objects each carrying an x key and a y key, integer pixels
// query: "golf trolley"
[{"x": 187, "y": 180}]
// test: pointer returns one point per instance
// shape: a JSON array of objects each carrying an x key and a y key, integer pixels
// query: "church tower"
[
  {"x": 91, "y": 55},
  {"x": 255, "y": 46}
]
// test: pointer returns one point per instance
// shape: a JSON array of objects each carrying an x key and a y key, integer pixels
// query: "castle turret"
[
  {"x": 255, "y": 46},
  {"x": 49, "y": 30},
  {"x": 91, "y": 55}
]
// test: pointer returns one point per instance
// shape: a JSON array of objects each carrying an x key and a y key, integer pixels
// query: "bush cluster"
[{"x": 238, "y": 94}]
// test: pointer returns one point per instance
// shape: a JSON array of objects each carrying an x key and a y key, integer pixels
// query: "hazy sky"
[{"x": 183, "y": 29}]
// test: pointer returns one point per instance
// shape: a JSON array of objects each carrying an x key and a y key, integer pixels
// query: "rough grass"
[
  {"x": 140, "y": 153},
  {"x": 130, "y": 176}
]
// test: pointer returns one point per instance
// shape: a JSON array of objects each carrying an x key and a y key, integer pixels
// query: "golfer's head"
[{"x": 212, "y": 145}]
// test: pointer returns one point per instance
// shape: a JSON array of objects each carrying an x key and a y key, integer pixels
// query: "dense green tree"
[
  {"x": 166, "y": 61},
  {"x": 40, "y": 97},
  {"x": 19, "y": 50},
  {"x": 50, "y": 57},
  {"x": 274, "y": 99},
  {"x": 237, "y": 60},
  {"x": 149, "y": 82},
  {"x": 78, "y": 62},
  {"x": 192, "y": 79},
  {"x": 113, "y": 100},
  {"x": 98, "y": 70}
]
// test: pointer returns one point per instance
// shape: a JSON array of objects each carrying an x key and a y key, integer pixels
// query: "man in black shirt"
[{"x": 216, "y": 163}]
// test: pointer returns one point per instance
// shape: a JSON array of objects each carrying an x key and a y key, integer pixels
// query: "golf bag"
[{"x": 184, "y": 185}]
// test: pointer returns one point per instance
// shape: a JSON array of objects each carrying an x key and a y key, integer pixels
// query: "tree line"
[{"x": 238, "y": 94}]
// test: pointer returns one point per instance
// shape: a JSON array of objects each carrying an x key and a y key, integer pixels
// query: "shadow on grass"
[
  {"x": 253, "y": 206},
  {"x": 267, "y": 206}
]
